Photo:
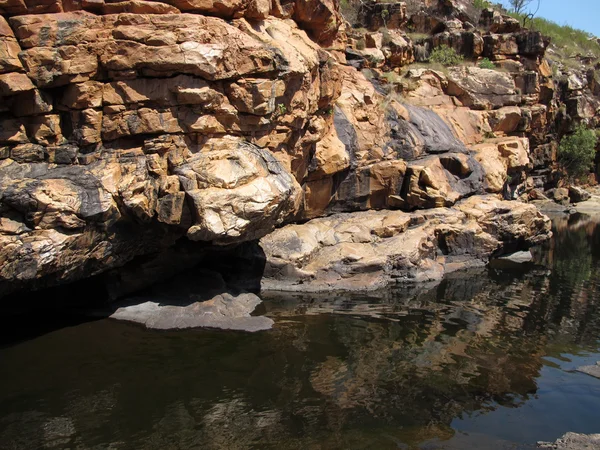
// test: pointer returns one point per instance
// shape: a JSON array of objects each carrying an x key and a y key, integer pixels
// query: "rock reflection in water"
[{"x": 392, "y": 369}]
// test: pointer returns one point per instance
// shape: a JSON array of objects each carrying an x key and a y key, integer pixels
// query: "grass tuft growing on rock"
[{"x": 485, "y": 63}]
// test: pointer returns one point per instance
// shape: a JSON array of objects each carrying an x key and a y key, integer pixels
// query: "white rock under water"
[{"x": 224, "y": 311}]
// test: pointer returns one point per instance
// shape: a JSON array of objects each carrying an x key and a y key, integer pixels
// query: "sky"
[{"x": 582, "y": 14}]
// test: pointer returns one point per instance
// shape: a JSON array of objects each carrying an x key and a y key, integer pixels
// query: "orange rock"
[
  {"x": 9, "y": 50},
  {"x": 14, "y": 83},
  {"x": 138, "y": 7}
]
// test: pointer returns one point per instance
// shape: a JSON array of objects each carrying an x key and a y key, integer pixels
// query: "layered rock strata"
[
  {"x": 532, "y": 91},
  {"x": 121, "y": 133},
  {"x": 128, "y": 127}
]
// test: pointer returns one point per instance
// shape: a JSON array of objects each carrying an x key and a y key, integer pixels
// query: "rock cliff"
[{"x": 127, "y": 127}]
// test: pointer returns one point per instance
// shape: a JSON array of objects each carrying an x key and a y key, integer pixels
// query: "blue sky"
[{"x": 582, "y": 14}]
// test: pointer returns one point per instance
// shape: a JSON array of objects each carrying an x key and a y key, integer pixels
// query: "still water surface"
[{"x": 484, "y": 360}]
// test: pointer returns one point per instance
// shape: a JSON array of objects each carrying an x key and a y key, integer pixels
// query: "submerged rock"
[
  {"x": 367, "y": 250},
  {"x": 194, "y": 299},
  {"x": 593, "y": 370},
  {"x": 512, "y": 261},
  {"x": 224, "y": 311},
  {"x": 518, "y": 257}
]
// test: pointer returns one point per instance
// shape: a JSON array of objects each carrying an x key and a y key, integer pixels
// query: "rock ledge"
[{"x": 367, "y": 250}]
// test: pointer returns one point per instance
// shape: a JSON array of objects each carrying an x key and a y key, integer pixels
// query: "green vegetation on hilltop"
[
  {"x": 481, "y": 4},
  {"x": 568, "y": 40}
]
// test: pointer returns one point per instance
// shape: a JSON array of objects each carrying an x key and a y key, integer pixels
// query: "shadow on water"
[
  {"x": 179, "y": 277},
  {"x": 481, "y": 360}
]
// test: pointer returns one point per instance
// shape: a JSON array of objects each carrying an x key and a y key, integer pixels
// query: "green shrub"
[
  {"x": 446, "y": 56},
  {"x": 281, "y": 109},
  {"x": 385, "y": 14},
  {"x": 485, "y": 63},
  {"x": 361, "y": 44},
  {"x": 576, "y": 152}
]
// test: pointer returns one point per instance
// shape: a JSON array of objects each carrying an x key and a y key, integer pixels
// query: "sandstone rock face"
[
  {"x": 365, "y": 250},
  {"x": 125, "y": 129},
  {"x": 239, "y": 194},
  {"x": 482, "y": 88},
  {"x": 404, "y": 157}
]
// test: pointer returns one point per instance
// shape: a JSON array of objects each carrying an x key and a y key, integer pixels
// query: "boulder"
[
  {"x": 14, "y": 83},
  {"x": 377, "y": 15},
  {"x": 482, "y": 88},
  {"x": 237, "y": 194},
  {"x": 467, "y": 43},
  {"x": 561, "y": 195},
  {"x": 498, "y": 47},
  {"x": 592, "y": 370},
  {"x": 495, "y": 22},
  {"x": 320, "y": 18},
  {"x": 58, "y": 211},
  {"x": 577, "y": 194},
  {"x": 505, "y": 119},
  {"x": 398, "y": 49}
]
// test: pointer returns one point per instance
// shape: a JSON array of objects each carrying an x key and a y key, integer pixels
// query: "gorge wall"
[{"x": 128, "y": 128}]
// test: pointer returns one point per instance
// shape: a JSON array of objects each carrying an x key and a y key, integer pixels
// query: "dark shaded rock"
[
  {"x": 577, "y": 194},
  {"x": 423, "y": 133},
  {"x": 375, "y": 15},
  {"x": 532, "y": 43}
]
